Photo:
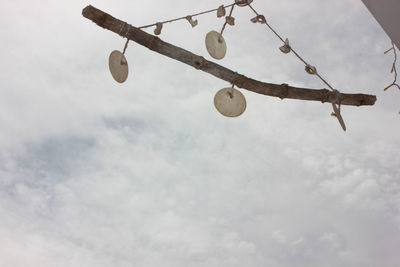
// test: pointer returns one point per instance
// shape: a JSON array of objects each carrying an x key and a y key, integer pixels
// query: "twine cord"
[
  {"x": 126, "y": 46},
  {"x": 293, "y": 50},
  {"x": 226, "y": 22},
  {"x": 184, "y": 18},
  {"x": 312, "y": 70},
  {"x": 264, "y": 22}
]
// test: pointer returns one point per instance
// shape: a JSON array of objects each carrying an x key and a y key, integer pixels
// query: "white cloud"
[{"x": 93, "y": 173}]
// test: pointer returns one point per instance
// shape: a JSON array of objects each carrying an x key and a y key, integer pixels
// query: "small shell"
[
  {"x": 230, "y": 20},
  {"x": 259, "y": 18},
  {"x": 191, "y": 21},
  {"x": 221, "y": 11},
  {"x": 158, "y": 28},
  {"x": 311, "y": 69},
  {"x": 285, "y": 48}
]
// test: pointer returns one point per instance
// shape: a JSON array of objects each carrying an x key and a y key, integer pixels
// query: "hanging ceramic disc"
[
  {"x": 216, "y": 45},
  {"x": 118, "y": 66},
  {"x": 230, "y": 102}
]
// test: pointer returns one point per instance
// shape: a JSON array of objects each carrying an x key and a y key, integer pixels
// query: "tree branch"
[{"x": 282, "y": 91}]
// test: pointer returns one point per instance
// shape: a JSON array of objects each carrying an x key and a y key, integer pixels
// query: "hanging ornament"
[
  {"x": 158, "y": 28},
  {"x": 230, "y": 102},
  {"x": 243, "y": 2},
  {"x": 191, "y": 21},
  {"x": 286, "y": 47},
  {"x": 230, "y": 20},
  {"x": 260, "y": 19},
  {"x": 118, "y": 66},
  {"x": 311, "y": 69},
  {"x": 216, "y": 45},
  {"x": 221, "y": 11}
]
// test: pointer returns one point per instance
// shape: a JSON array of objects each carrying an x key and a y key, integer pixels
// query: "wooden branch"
[{"x": 282, "y": 91}]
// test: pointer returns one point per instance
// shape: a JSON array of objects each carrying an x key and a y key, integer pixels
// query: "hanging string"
[
  {"x": 230, "y": 92},
  {"x": 185, "y": 17},
  {"x": 394, "y": 83},
  {"x": 126, "y": 46},
  {"x": 226, "y": 21},
  {"x": 123, "y": 59},
  {"x": 310, "y": 69}
]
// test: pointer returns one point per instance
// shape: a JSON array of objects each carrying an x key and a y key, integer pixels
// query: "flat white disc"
[
  {"x": 230, "y": 102},
  {"x": 216, "y": 45},
  {"x": 118, "y": 66}
]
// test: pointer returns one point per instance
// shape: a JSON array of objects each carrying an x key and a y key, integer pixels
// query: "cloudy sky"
[{"x": 148, "y": 173}]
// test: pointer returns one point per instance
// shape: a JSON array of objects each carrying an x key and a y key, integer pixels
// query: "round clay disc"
[
  {"x": 230, "y": 102},
  {"x": 243, "y": 2},
  {"x": 216, "y": 45},
  {"x": 118, "y": 66}
]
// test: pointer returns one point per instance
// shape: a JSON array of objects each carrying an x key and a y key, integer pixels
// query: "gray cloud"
[{"x": 93, "y": 173}]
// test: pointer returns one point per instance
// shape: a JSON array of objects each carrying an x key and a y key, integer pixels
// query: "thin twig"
[{"x": 394, "y": 83}]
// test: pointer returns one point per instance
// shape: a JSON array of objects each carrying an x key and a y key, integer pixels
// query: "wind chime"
[{"x": 229, "y": 101}]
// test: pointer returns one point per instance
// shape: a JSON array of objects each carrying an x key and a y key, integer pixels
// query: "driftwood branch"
[{"x": 282, "y": 91}]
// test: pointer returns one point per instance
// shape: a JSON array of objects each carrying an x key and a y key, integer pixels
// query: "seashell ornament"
[
  {"x": 286, "y": 47},
  {"x": 221, "y": 11}
]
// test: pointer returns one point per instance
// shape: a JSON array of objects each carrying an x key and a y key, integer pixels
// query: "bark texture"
[{"x": 282, "y": 91}]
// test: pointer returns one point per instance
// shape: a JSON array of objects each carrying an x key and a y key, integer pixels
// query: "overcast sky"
[{"x": 148, "y": 173}]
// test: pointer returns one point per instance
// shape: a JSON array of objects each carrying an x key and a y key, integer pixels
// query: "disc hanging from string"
[
  {"x": 119, "y": 65},
  {"x": 230, "y": 102},
  {"x": 216, "y": 45}
]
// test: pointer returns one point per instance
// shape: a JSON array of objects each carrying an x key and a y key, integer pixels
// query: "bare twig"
[{"x": 394, "y": 83}]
